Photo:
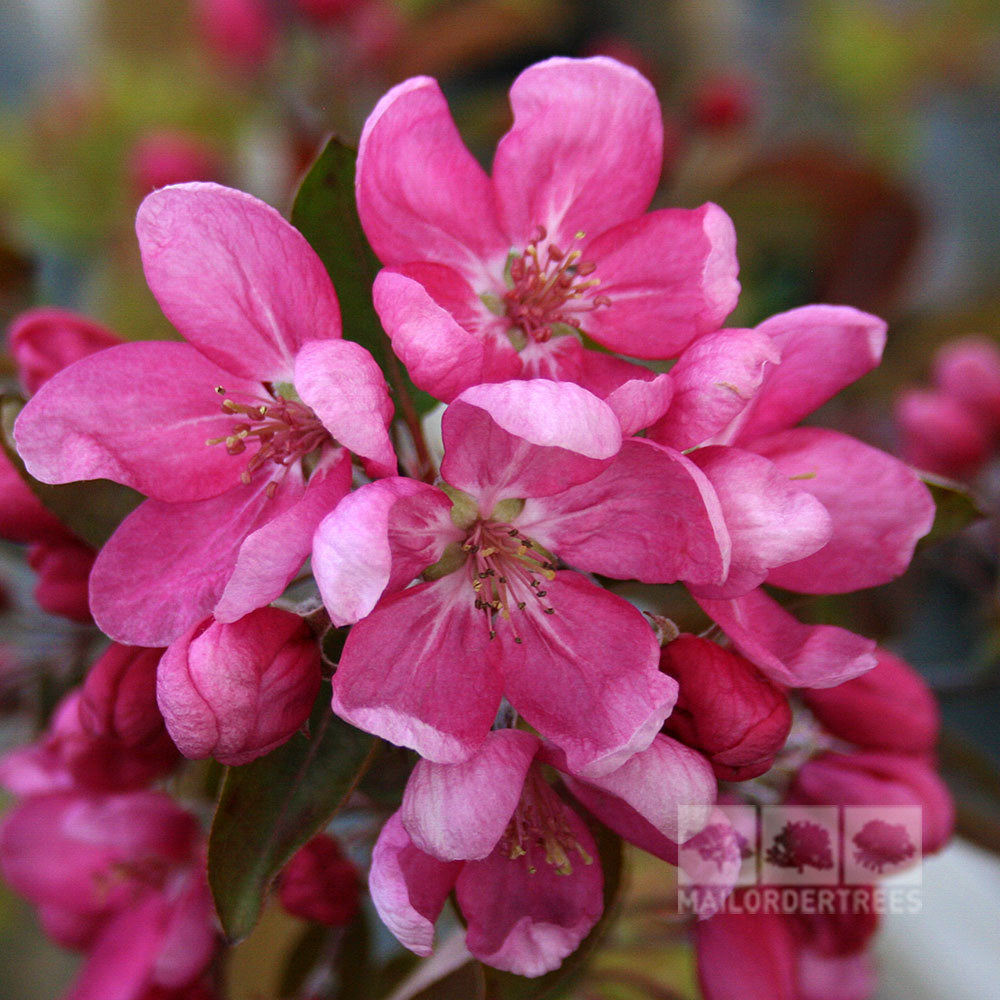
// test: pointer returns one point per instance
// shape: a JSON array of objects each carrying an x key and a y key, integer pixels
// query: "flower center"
[
  {"x": 539, "y": 823},
  {"x": 548, "y": 287},
  {"x": 506, "y": 570},
  {"x": 284, "y": 430}
]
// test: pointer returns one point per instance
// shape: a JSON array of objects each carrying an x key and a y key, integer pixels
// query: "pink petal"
[
  {"x": 139, "y": 414},
  {"x": 421, "y": 194},
  {"x": 940, "y": 434},
  {"x": 878, "y": 506},
  {"x": 460, "y": 811},
  {"x": 823, "y": 349},
  {"x": 584, "y": 152},
  {"x": 341, "y": 383},
  {"x": 378, "y": 539},
  {"x": 639, "y": 403},
  {"x": 587, "y": 676},
  {"x": 836, "y": 977},
  {"x": 190, "y": 938},
  {"x": 785, "y": 649},
  {"x": 968, "y": 370},
  {"x": 273, "y": 553},
  {"x": 651, "y": 515},
  {"x": 420, "y": 672},
  {"x": 235, "y": 278},
  {"x": 24, "y": 517},
  {"x": 526, "y": 439},
  {"x": 670, "y": 277},
  {"x": 409, "y": 887},
  {"x": 715, "y": 380},
  {"x": 44, "y": 341},
  {"x": 523, "y": 915},
  {"x": 770, "y": 520},
  {"x": 442, "y": 356}
]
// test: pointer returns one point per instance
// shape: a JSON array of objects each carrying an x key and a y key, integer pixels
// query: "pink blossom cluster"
[{"x": 539, "y": 303}]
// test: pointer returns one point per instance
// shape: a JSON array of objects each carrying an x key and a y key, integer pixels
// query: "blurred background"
[{"x": 855, "y": 145}]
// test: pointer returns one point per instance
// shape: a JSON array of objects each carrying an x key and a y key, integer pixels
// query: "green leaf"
[
  {"x": 326, "y": 214},
  {"x": 270, "y": 807},
  {"x": 507, "y": 986},
  {"x": 92, "y": 510},
  {"x": 956, "y": 508}
]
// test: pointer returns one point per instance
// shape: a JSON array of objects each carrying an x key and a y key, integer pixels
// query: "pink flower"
[
  {"x": 239, "y": 438},
  {"x": 492, "y": 278},
  {"x": 737, "y": 396},
  {"x": 236, "y": 691},
  {"x": 167, "y": 157},
  {"x": 241, "y": 33},
  {"x": 320, "y": 884},
  {"x": 533, "y": 470},
  {"x": 523, "y": 864}
]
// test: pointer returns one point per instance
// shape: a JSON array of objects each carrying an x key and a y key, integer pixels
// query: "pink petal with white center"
[
  {"x": 770, "y": 520},
  {"x": 785, "y": 649},
  {"x": 441, "y": 356},
  {"x": 878, "y": 507},
  {"x": 341, "y": 383},
  {"x": 586, "y": 676},
  {"x": 409, "y": 887},
  {"x": 44, "y": 341},
  {"x": 139, "y": 414},
  {"x": 526, "y": 439},
  {"x": 235, "y": 278},
  {"x": 715, "y": 380},
  {"x": 273, "y": 553},
  {"x": 652, "y": 515},
  {"x": 584, "y": 152},
  {"x": 823, "y": 349},
  {"x": 420, "y": 672},
  {"x": 458, "y": 812},
  {"x": 421, "y": 194},
  {"x": 378, "y": 539},
  {"x": 167, "y": 565},
  {"x": 670, "y": 277},
  {"x": 524, "y": 916}
]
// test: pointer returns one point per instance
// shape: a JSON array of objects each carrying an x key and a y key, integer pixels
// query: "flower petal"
[
  {"x": 341, "y": 383},
  {"x": 419, "y": 671},
  {"x": 651, "y": 515},
  {"x": 785, "y": 649},
  {"x": 378, "y": 539},
  {"x": 878, "y": 508},
  {"x": 139, "y": 414},
  {"x": 235, "y": 278},
  {"x": 421, "y": 194},
  {"x": 409, "y": 887},
  {"x": 586, "y": 676},
  {"x": 670, "y": 276},
  {"x": 584, "y": 152},
  {"x": 526, "y": 439},
  {"x": 460, "y": 811}
]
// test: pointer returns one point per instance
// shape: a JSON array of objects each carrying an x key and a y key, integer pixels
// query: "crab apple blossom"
[
  {"x": 489, "y": 278},
  {"x": 523, "y": 864},
  {"x": 241, "y": 437},
  {"x": 321, "y": 884},
  {"x": 534, "y": 471},
  {"x": 234, "y": 691}
]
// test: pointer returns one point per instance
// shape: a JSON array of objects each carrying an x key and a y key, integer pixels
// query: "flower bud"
[
  {"x": 63, "y": 569},
  {"x": 236, "y": 691},
  {"x": 44, "y": 341},
  {"x": 239, "y": 32},
  {"x": 726, "y": 708},
  {"x": 940, "y": 434},
  {"x": 887, "y": 708},
  {"x": 968, "y": 370},
  {"x": 320, "y": 884},
  {"x": 22, "y": 516},
  {"x": 163, "y": 158}
]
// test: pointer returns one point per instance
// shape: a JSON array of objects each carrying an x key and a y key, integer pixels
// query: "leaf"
[
  {"x": 326, "y": 214},
  {"x": 92, "y": 510},
  {"x": 270, "y": 807},
  {"x": 507, "y": 986},
  {"x": 956, "y": 508}
]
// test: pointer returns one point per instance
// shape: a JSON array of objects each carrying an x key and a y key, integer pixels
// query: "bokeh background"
[{"x": 856, "y": 146}]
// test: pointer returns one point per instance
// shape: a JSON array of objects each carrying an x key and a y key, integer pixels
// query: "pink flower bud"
[
  {"x": 22, "y": 516},
  {"x": 887, "y": 708},
  {"x": 940, "y": 434},
  {"x": 235, "y": 691},
  {"x": 163, "y": 158},
  {"x": 239, "y": 32},
  {"x": 320, "y": 884},
  {"x": 968, "y": 370},
  {"x": 44, "y": 341},
  {"x": 327, "y": 11},
  {"x": 723, "y": 103},
  {"x": 726, "y": 708},
  {"x": 63, "y": 569}
]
